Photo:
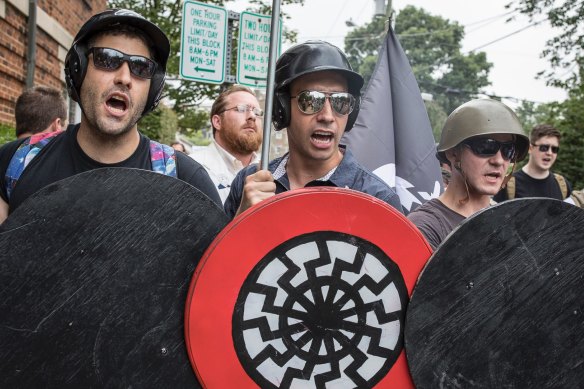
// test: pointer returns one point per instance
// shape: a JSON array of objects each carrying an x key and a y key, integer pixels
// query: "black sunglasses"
[
  {"x": 486, "y": 147},
  {"x": 311, "y": 102},
  {"x": 111, "y": 59},
  {"x": 545, "y": 148}
]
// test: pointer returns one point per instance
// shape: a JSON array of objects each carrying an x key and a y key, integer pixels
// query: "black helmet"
[
  {"x": 76, "y": 60},
  {"x": 306, "y": 58}
]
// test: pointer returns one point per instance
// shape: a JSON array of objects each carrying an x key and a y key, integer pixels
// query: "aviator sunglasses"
[
  {"x": 486, "y": 147},
  {"x": 311, "y": 102},
  {"x": 111, "y": 59},
  {"x": 545, "y": 148}
]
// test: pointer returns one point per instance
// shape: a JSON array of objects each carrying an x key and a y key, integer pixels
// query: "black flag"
[{"x": 392, "y": 135}]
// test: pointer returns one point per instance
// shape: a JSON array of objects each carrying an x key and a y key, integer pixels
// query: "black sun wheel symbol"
[{"x": 325, "y": 309}]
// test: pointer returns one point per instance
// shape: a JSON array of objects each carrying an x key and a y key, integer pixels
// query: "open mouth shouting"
[
  {"x": 493, "y": 177},
  {"x": 117, "y": 104},
  {"x": 322, "y": 139}
]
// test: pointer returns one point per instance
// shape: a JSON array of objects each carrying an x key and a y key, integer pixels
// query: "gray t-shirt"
[{"x": 435, "y": 221}]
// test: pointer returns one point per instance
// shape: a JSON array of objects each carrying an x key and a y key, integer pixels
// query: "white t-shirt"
[{"x": 221, "y": 166}]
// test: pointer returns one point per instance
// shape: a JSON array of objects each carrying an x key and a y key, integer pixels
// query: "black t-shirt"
[
  {"x": 62, "y": 157},
  {"x": 527, "y": 186},
  {"x": 435, "y": 221}
]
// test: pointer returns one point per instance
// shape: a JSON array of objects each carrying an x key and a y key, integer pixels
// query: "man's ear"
[
  {"x": 56, "y": 125},
  {"x": 453, "y": 155},
  {"x": 216, "y": 120}
]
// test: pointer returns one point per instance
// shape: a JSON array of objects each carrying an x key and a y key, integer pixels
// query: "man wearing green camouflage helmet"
[{"x": 479, "y": 141}]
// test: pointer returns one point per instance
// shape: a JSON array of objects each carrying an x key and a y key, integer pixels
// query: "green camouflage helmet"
[{"x": 481, "y": 117}]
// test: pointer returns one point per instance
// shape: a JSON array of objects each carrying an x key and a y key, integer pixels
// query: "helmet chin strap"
[
  {"x": 508, "y": 176},
  {"x": 458, "y": 167}
]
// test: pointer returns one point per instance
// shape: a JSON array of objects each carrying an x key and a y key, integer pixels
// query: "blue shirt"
[{"x": 348, "y": 174}]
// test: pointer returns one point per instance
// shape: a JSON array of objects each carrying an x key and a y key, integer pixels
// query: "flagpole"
[
  {"x": 274, "y": 34},
  {"x": 388, "y": 12}
]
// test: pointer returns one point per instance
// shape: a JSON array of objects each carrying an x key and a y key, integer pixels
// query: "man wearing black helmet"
[
  {"x": 317, "y": 99},
  {"x": 115, "y": 70},
  {"x": 479, "y": 141}
]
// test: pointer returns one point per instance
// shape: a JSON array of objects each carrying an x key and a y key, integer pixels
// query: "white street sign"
[
  {"x": 203, "y": 42},
  {"x": 254, "y": 49}
]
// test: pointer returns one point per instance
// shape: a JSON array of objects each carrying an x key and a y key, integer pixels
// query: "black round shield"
[
  {"x": 499, "y": 304},
  {"x": 94, "y": 276}
]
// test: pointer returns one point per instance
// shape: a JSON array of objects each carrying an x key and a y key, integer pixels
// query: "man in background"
[
  {"x": 536, "y": 179},
  {"x": 236, "y": 119},
  {"x": 40, "y": 109}
]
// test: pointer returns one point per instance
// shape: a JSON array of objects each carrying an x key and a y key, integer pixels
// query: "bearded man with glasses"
[
  {"x": 236, "y": 119},
  {"x": 317, "y": 97},
  {"x": 536, "y": 179},
  {"x": 115, "y": 70},
  {"x": 479, "y": 141}
]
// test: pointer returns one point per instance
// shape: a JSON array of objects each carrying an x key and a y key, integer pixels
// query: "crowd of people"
[{"x": 115, "y": 70}]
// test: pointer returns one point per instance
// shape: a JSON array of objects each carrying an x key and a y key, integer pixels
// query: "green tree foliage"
[
  {"x": 571, "y": 124},
  {"x": 437, "y": 118},
  {"x": 433, "y": 46},
  {"x": 565, "y": 51},
  {"x": 6, "y": 134},
  {"x": 191, "y": 124},
  {"x": 161, "y": 124}
]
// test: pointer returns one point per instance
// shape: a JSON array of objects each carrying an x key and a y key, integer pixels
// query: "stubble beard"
[{"x": 103, "y": 126}]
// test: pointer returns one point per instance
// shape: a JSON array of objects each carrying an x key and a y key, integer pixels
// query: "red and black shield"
[{"x": 307, "y": 289}]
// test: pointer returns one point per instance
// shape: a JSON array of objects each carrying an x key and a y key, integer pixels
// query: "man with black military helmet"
[
  {"x": 317, "y": 97},
  {"x": 479, "y": 141},
  {"x": 115, "y": 70}
]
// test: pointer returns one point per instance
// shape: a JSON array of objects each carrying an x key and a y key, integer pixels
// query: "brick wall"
[{"x": 57, "y": 23}]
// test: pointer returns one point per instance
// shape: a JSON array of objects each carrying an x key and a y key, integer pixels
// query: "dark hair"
[
  {"x": 125, "y": 31},
  {"x": 36, "y": 108},
  {"x": 542, "y": 130},
  {"x": 221, "y": 102}
]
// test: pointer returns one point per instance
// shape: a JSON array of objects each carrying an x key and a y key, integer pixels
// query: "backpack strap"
[
  {"x": 23, "y": 155},
  {"x": 562, "y": 183},
  {"x": 511, "y": 188},
  {"x": 578, "y": 197},
  {"x": 163, "y": 159}
]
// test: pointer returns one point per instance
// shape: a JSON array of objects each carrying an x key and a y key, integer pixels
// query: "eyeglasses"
[
  {"x": 311, "y": 102},
  {"x": 486, "y": 147},
  {"x": 545, "y": 148},
  {"x": 111, "y": 59},
  {"x": 243, "y": 108}
]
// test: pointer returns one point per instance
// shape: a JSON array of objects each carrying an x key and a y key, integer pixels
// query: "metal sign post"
[{"x": 274, "y": 34}]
